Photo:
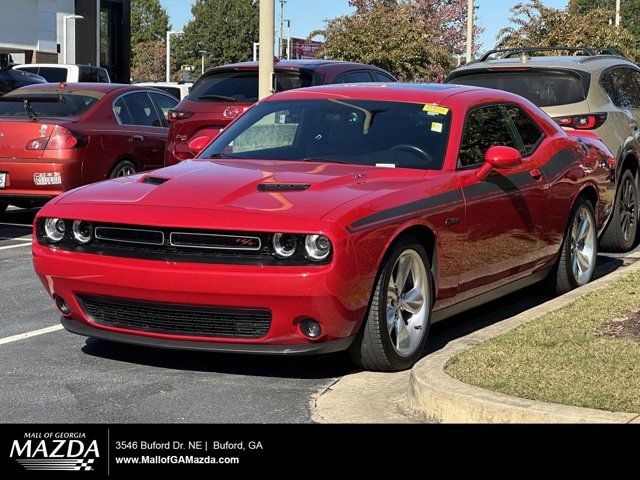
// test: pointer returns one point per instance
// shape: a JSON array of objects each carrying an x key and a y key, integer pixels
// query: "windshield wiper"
[
  {"x": 222, "y": 98},
  {"x": 324, "y": 160},
  {"x": 223, "y": 155}
]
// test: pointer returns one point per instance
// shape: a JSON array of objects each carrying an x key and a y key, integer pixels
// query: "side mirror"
[
  {"x": 499, "y": 158},
  {"x": 198, "y": 144}
]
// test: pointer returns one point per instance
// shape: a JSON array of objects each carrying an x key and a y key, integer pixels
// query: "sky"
[{"x": 308, "y": 15}]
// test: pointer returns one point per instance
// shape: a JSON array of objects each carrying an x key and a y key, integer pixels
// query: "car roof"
[
  {"x": 574, "y": 62},
  {"x": 88, "y": 86},
  {"x": 162, "y": 84},
  {"x": 310, "y": 64},
  {"x": 50, "y": 65},
  {"x": 399, "y": 92}
]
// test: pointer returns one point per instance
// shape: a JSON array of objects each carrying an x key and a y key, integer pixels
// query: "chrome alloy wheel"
[
  {"x": 628, "y": 214},
  {"x": 583, "y": 246},
  {"x": 125, "y": 171},
  {"x": 408, "y": 303}
]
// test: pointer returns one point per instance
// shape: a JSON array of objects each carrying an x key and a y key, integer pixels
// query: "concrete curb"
[{"x": 444, "y": 399}]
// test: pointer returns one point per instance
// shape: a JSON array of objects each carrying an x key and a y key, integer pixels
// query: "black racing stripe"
[
  {"x": 408, "y": 208},
  {"x": 498, "y": 183},
  {"x": 558, "y": 163}
]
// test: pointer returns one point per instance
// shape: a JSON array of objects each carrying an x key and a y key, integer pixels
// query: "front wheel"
[
  {"x": 579, "y": 251},
  {"x": 397, "y": 323}
]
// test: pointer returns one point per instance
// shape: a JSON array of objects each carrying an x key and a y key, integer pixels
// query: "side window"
[
  {"x": 530, "y": 133},
  {"x": 621, "y": 88},
  {"x": 87, "y": 74},
  {"x": 381, "y": 77},
  {"x": 485, "y": 127},
  {"x": 141, "y": 109},
  {"x": 358, "y": 77},
  {"x": 103, "y": 76},
  {"x": 120, "y": 109},
  {"x": 342, "y": 78},
  {"x": 276, "y": 130},
  {"x": 164, "y": 103}
]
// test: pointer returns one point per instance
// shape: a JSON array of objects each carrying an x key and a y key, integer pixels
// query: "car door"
[
  {"x": 505, "y": 213},
  {"x": 146, "y": 130}
]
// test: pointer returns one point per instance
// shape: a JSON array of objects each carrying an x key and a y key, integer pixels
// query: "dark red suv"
[{"x": 225, "y": 92}]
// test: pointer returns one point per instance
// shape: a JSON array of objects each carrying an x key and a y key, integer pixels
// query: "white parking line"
[
  {"x": 24, "y": 225},
  {"x": 33, "y": 333},
  {"x": 24, "y": 238},
  {"x": 7, "y": 247}
]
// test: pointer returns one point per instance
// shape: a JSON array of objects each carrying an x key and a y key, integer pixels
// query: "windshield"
[
  {"x": 243, "y": 86},
  {"x": 362, "y": 132},
  {"x": 68, "y": 105},
  {"x": 542, "y": 88}
]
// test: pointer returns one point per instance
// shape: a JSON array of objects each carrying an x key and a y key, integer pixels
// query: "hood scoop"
[
  {"x": 154, "y": 180},
  {"x": 283, "y": 187}
]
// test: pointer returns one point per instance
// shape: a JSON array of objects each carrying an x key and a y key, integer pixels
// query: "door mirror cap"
[
  {"x": 198, "y": 144},
  {"x": 499, "y": 158}
]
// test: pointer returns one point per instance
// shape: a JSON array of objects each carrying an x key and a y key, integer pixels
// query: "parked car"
[
  {"x": 332, "y": 218},
  {"x": 223, "y": 93},
  {"x": 177, "y": 89},
  {"x": 56, "y": 73},
  {"x": 55, "y": 137},
  {"x": 590, "y": 90},
  {"x": 10, "y": 79}
]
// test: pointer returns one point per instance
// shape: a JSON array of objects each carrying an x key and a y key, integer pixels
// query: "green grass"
[{"x": 562, "y": 358}]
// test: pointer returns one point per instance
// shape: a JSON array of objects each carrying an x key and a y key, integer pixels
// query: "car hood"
[{"x": 303, "y": 189}]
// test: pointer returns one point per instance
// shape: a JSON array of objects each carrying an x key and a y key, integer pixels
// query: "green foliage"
[
  {"x": 224, "y": 29},
  {"x": 538, "y": 25},
  {"x": 149, "y": 64},
  {"x": 629, "y": 11},
  {"x": 149, "y": 21}
]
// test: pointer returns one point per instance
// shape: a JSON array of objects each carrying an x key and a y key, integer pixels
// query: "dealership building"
[{"x": 87, "y": 32}]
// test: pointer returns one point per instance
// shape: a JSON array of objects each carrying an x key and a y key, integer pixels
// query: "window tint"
[
  {"x": 53, "y": 74},
  {"x": 87, "y": 74},
  {"x": 381, "y": 77},
  {"x": 29, "y": 69},
  {"x": 120, "y": 109},
  {"x": 164, "y": 104},
  {"x": 358, "y": 77},
  {"x": 544, "y": 89},
  {"x": 485, "y": 127},
  {"x": 141, "y": 110},
  {"x": 530, "y": 133},
  {"x": 621, "y": 87},
  {"x": 173, "y": 91},
  {"x": 71, "y": 105},
  {"x": 103, "y": 76}
]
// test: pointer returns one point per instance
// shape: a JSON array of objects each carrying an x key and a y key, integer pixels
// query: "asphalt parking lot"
[{"x": 59, "y": 377}]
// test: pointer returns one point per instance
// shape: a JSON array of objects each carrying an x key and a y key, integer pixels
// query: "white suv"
[{"x": 56, "y": 73}]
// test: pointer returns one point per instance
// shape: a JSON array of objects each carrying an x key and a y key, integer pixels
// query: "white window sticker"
[
  {"x": 49, "y": 178},
  {"x": 436, "y": 127}
]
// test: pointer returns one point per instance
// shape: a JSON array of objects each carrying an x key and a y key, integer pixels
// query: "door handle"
[
  {"x": 536, "y": 174},
  {"x": 137, "y": 138}
]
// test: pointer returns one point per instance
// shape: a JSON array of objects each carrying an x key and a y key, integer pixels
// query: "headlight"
[
  {"x": 82, "y": 232},
  {"x": 284, "y": 245},
  {"x": 54, "y": 229},
  {"x": 317, "y": 247}
]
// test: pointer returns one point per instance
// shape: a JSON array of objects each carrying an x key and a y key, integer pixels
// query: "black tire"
[
  {"x": 373, "y": 348},
  {"x": 123, "y": 166},
  {"x": 562, "y": 278},
  {"x": 3, "y": 207},
  {"x": 616, "y": 237}
]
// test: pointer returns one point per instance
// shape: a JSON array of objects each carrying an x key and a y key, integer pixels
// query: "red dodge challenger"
[
  {"x": 332, "y": 218},
  {"x": 55, "y": 137}
]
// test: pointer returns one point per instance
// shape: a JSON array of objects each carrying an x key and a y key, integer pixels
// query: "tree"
[
  {"x": 629, "y": 12},
  {"x": 150, "y": 61},
  {"x": 224, "y": 30},
  {"x": 149, "y": 21},
  {"x": 149, "y": 26},
  {"x": 414, "y": 40},
  {"x": 538, "y": 25}
]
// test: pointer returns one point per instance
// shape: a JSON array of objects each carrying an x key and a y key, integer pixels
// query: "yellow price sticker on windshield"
[{"x": 435, "y": 109}]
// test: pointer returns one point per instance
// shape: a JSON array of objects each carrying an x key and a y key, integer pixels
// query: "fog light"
[
  {"x": 310, "y": 328},
  {"x": 62, "y": 305}
]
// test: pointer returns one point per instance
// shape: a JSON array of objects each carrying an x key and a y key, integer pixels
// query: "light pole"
[
  {"x": 470, "y": 14},
  {"x": 617, "y": 13},
  {"x": 265, "y": 54},
  {"x": 202, "y": 53},
  {"x": 168, "y": 66},
  {"x": 64, "y": 34},
  {"x": 288, "y": 39},
  {"x": 281, "y": 31}
]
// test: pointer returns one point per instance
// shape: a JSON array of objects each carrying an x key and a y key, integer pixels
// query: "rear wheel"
[
  {"x": 621, "y": 232},
  {"x": 123, "y": 169},
  {"x": 579, "y": 251},
  {"x": 397, "y": 323}
]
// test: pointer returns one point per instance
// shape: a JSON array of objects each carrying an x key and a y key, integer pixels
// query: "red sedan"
[
  {"x": 332, "y": 218},
  {"x": 55, "y": 137},
  {"x": 225, "y": 92}
]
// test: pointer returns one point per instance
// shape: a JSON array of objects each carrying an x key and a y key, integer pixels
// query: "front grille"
[{"x": 177, "y": 319}]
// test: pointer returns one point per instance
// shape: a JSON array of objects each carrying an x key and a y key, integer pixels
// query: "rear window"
[
  {"x": 52, "y": 74},
  {"x": 543, "y": 88},
  {"x": 243, "y": 86},
  {"x": 173, "y": 91},
  {"x": 70, "y": 105}
]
